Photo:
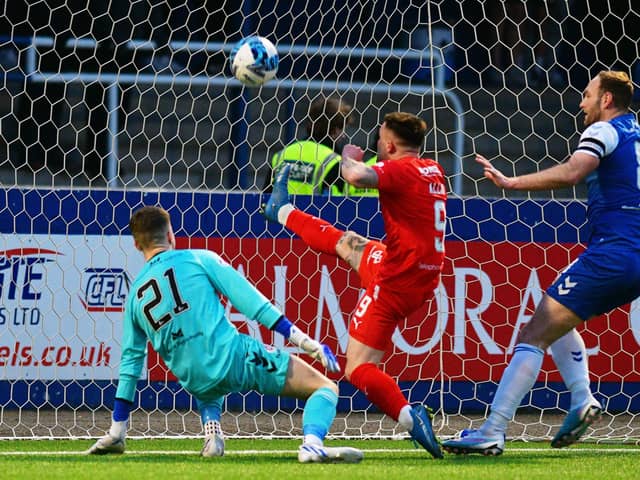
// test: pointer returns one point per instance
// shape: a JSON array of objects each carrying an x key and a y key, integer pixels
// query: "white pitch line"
[{"x": 293, "y": 452}]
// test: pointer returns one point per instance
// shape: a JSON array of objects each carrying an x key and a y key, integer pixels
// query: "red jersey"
[{"x": 413, "y": 202}]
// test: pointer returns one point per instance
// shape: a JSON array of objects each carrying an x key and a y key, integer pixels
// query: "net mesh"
[{"x": 108, "y": 105}]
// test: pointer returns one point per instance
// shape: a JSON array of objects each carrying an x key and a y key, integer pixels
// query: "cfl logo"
[{"x": 105, "y": 289}]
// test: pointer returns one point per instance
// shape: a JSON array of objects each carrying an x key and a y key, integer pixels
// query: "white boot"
[
  {"x": 310, "y": 453},
  {"x": 213, "y": 440}
]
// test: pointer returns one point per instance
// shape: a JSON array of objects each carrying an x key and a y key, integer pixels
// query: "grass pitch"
[{"x": 276, "y": 459}]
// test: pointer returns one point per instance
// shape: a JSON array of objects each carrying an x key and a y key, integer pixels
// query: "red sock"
[
  {"x": 319, "y": 234},
  {"x": 380, "y": 389}
]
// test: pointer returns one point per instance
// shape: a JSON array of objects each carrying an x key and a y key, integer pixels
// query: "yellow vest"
[
  {"x": 351, "y": 191},
  {"x": 310, "y": 164}
]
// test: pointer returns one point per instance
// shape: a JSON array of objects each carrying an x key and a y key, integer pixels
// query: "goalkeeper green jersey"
[{"x": 174, "y": 304}]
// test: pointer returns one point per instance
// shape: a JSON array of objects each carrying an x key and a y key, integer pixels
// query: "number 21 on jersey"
[{"x": 154, "y": 316}]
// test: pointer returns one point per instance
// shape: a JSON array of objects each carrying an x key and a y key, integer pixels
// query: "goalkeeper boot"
[
  {"x": 576, "y": 423},
  {"x": 311, "y": 453},
  {"x": 422, "y": 431},
  {"x": 213, "y": 441},
  {"x": 279, "y": 195},
  {"x": 107, "y": 444},
  {"x": 112, "y": 442},
  {"x": 474, "y": 441}
]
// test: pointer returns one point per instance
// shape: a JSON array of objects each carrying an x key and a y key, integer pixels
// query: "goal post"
[{"x": 90, "y": 134}]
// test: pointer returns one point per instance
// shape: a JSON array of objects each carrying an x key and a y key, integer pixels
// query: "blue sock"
[
  {"x": 210, "y": 410},
  {"x": 121, "y": 409},
  {"x": 319, "y": 412}
]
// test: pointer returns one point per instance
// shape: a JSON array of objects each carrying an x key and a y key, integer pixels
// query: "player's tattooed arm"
[{"x": 358, "y": 174}]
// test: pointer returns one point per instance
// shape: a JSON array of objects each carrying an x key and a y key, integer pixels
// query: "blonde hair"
[{"x": 619, "y": 85}]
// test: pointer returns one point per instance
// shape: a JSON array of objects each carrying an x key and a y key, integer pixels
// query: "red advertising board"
[{"x": 466, "y": 332}]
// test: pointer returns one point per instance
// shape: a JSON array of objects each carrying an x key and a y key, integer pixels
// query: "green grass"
[{"x": 276, "y": 460}]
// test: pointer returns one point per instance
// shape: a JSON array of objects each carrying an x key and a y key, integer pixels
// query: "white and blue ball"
[{"x": 254, "y": 61}]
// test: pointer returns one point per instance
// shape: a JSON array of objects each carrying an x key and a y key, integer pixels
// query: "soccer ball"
[{"x": 254, "y": 61}]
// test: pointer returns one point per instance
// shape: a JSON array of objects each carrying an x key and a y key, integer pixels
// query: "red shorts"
[
  {"x": 380, "y": 310},
  {"x": 372, "y": 256}
]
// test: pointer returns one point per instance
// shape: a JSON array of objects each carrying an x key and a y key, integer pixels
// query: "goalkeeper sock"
[
  {"x": 318, "y": 414},
  {"x": 312, "y": 440},
  {"x": 213, "y": 427},
  {"x": 210, "y": 411},
  {"x": 570, "y": 356},
  {"x": 517, "y": 380},
  {"x": 118, "y": 430},
  {"x": 319, "y": 234},
  {"x": 121, "y": 409},
  {"x": 380, "y": 389},
  {"x": 209, "y": 414}
]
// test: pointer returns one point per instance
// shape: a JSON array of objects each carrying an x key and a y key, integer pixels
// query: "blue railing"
[{"x": 112, "y": 81}]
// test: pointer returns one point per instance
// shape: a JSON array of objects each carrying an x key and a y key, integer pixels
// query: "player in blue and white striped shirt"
[
  {"x": 605, "y": 276},
  {"x": 173, "y": 304}
]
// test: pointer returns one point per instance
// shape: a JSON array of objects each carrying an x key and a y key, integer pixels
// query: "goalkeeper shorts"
[{"x": 252, "y": 366}]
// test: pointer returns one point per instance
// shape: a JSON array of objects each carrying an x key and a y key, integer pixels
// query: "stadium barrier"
[
  {"x": 238, "y": 119},
  {"x": 66, "y": 262}
]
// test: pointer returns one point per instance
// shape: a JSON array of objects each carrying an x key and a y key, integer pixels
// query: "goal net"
[{"x": 109, "y": 107}]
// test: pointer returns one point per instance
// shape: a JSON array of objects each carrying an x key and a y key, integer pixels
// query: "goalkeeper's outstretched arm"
[
  {"x": 134, "y": 344},
  {"x": 312, "y": 347},
  {"x": 254, "y": 305}
]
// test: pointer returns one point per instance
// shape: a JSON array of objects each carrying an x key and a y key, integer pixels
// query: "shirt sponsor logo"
[
  {"x": 301, "y": 171},
  {"x": 429, "y": 171},
  {"x": 427, "y": 266}
]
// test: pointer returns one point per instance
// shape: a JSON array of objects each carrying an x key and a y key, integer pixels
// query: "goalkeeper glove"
[
  {"x": 313, "y": 348},
  {"x": 112, "y": 442}
]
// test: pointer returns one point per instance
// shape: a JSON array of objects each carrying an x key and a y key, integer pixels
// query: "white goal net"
[{"x": 110, "y": 105}]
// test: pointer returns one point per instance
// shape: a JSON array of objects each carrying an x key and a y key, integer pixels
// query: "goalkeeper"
[{"x": 174, "y": 304}]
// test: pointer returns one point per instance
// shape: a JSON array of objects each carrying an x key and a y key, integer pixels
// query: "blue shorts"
[
  {"x": 600, "y": 279},
  {"x": 253, "y": 366}
]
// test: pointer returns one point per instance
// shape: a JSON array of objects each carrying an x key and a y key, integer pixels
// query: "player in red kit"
[{"x": 399, "y": 275}]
